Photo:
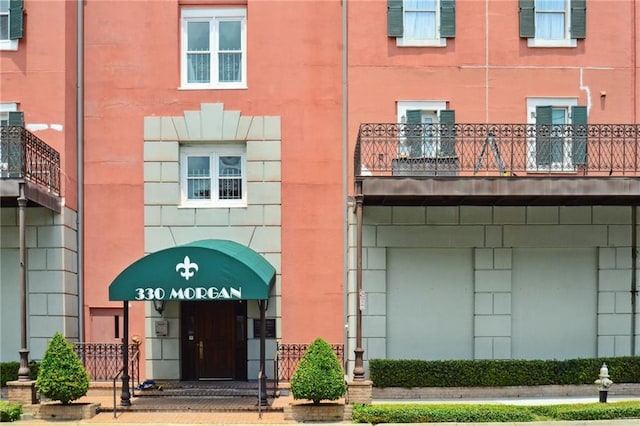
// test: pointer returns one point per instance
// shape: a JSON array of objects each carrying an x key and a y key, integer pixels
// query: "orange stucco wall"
[
  {"x": 40, "y": 77},
  {"x": 132, "y": 71},
  {"x": 487, "y": 71}
]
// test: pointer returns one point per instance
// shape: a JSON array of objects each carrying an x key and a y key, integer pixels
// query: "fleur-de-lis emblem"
[{"x": 188, "y": 268}]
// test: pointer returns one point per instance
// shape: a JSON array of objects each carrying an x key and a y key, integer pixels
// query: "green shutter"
[
  {"x": 414, "y": 118},
  {"x": 578, "y": 18},
  {"x": 543, "y": 136},
  {"x": 527, "y": 18},
  {"x": 448, "y": 133},
  {"x": 15, "y": 19},
  {"x": 16, "y": 118},
  {"x": 447, "y": 18},
  {"x": 579, "y": 146},
  {"x": 394, "y": 18}
]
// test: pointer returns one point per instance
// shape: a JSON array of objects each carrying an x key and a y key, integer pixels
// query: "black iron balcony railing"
[
  {"x": 25, "y": 156},
  {"x": 399, "y": 149}
]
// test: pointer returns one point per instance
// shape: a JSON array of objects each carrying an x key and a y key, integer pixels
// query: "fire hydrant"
[{"x": 604, "y": 382}]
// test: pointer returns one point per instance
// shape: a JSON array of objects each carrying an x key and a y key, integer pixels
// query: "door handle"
[{"x": 201, "y": 349}]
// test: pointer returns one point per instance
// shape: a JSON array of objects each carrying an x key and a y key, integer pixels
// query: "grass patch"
[
  {"x": 10, "y": 411},
  {"x": 482, "y": 413}
]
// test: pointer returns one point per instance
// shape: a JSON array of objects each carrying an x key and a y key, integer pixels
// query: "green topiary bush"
[
  {"x": 62, "y": 377},
  {"x": 319, "y": 374}
]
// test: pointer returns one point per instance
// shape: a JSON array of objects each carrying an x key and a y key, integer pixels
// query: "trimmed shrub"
[
  {"x": 479, "y": 373},
  {"x": 62, "y": 377},
  {"x": 10, "y": 411},
  {"x": 319, "y": 374}
]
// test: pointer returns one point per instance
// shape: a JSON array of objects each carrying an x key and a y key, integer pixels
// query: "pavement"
[{"x": 181, "y": 415}]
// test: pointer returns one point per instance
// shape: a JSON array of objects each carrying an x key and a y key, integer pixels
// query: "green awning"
[{"x": 202, "y": 270}]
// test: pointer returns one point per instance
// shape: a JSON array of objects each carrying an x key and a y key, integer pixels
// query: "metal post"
[
  {"x": 358, "y": 370},
  {"x": 23, "y": 371},
  {"x": 263, "y": 378},
  {"x": 125, "y": 395}
]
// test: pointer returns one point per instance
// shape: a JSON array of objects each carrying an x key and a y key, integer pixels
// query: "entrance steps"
[{"x": 209, "y": 396}]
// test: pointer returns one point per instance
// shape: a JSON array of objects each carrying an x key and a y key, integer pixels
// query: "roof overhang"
[
  {"x": 490, "y": 191},
  {"x": 201, "y": 270}
]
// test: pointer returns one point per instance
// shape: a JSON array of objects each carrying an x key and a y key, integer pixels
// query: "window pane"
[
  {"x": 230, "y": 181},
  {"x": 198, "y": 36},
  {"x": 4, "y": 6},
  {"x": 229, "y": 166},
  {"x": 4, "y": 27},
  {"x": 547, "y": 5},
  {"x": 230, "y": 189},
  {"x": 558, "y": 116},
  {"x": 420, "y": 25},
  {"x": 198, "y": 178},
  {"x": 198, "y": 167},
  {"x": 229, "y": 35},
  {"x": 229, "y": 66},
  {"x": 550, "y": 26},
  {"x": 420, "y": 4},
  {"x": 199, "y": 68},
  {"x": 199, "y": 189}
]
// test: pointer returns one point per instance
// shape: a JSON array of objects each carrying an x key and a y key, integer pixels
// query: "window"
[
  {"x": 214, "y": 49},
  {"x": 421, "y": 22},
  {"x": 11, "y": 14},
  {"x": 213, "y": 176},
  {"x": 557, "y": 146},
  {"x": 433, "y": 135},
  {"x": 8, "y": 117},
  {"x": 552, "y": 23}
]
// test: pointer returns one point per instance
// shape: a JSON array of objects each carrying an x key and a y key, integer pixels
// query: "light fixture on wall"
[{"x": 159, "y": 306}]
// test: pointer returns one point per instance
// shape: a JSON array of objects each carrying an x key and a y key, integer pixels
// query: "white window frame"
[
  {"x": 214, "y": 16},
  {"x": 567, "y": 41},
  {"x": 429, "y": 109},
  {"x": 437, "y": 41},
  {"x": 561, "y": 102},
  {"x": 5, "y": 109},
  {"x": 8, "y": 44},
  {"x": 213, "y": 151}
]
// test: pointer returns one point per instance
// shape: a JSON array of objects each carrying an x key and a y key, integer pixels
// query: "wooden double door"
[{"x": 214, "y": 340}]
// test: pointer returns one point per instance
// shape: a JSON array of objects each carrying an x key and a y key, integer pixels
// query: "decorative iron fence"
[
  {"x": 25, "y": 156},
  {"x": 399, "y": 149},
  {"x": 103, "y": 361},
  {"x": 289, "y": 355}
]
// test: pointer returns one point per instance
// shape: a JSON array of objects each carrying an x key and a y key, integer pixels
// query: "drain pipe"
[
  {"x": 345, "y": 180},
  {"x": 634, "y": 272},
  {"x": 80, "y": 163}
]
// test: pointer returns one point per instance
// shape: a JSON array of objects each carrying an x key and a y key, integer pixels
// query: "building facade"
[
  {"x": 514, "y": 238},
  {"x": 428, "y": 179}
]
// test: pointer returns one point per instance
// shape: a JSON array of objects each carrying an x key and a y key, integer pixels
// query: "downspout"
[
  {"x": 345, "y": 180},
  {"x": 80, "y": 163},
  {"x": 634, "y": 279},
  {"x": 634, "y": 211}
]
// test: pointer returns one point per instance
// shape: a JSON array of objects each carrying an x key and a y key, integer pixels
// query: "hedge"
[
  {"x": 426, "y": 413},
  {"x": 482, "y": 413},
  {"x": 479, "y": 373},
  {"x": 9, "y": 371}
]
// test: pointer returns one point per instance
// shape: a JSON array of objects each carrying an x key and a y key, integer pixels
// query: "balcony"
[
  {"x": 25, "y": 158},
  {"x": 498, "y": 164}
]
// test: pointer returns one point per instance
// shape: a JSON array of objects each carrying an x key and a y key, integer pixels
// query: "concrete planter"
[
  {"x": 58, "y": 411},
  {"x": 323, "y": 412}
]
